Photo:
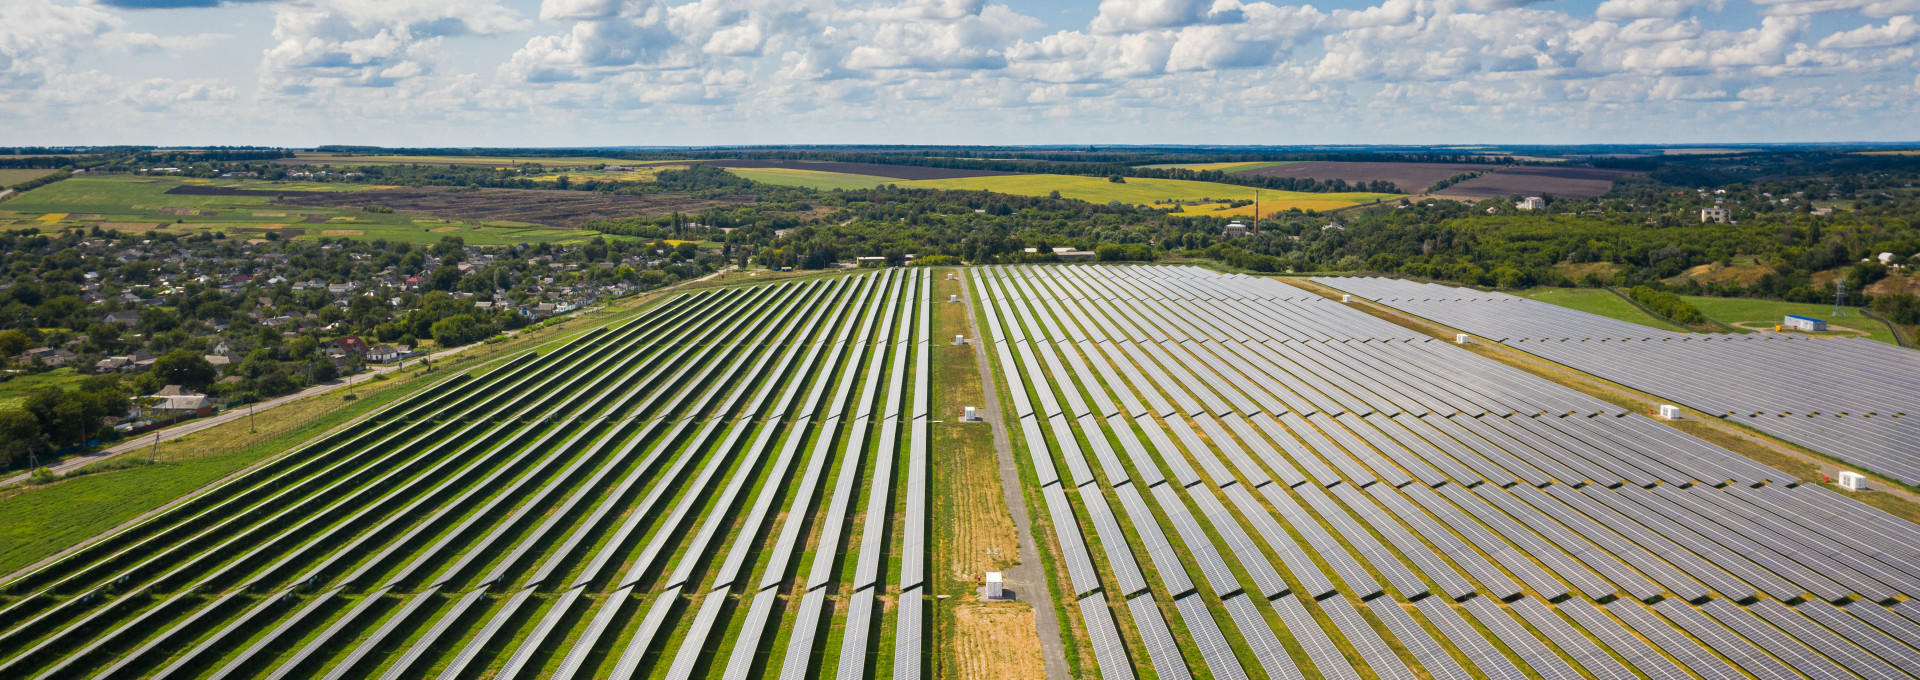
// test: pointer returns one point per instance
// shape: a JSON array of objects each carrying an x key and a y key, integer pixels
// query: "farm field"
[
  {"x": 1147, "y": 191},
  {"x": 14, "y": 391},
  {"x": 1224, "y": 167},
  {"x": 1762, "y": 315},
  {"x": 866, "y": 169},
  {"x": 1411, "y": 178},
  {"x": 127, "y": 203},
  {"x": 812, "y": 179},
  {"x": 733, "y": 482},
  {"x": 1535, "y": 181},
  {"x": 311, "y": 158},
  {"x": 10, "y": 177},
  {"x": 1249, "y": 480},
  {"x": 639, "y": 174},
  {"x": 531, "y": 209},
  {"x": 1602, "y": 302}
]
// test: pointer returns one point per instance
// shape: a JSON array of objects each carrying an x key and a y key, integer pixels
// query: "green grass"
[
  {"x": 141, "y": 203},
  {"x": 812, "y": 179},
  {"x": 1767, "y": 313},
  {"x": 13, "y": 393},
  {"x": 1602, "y": 302},
  {"x": 1145, "y": 191}
]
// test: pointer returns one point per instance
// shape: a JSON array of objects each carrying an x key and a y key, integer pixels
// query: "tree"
[
  {"x": 183, "y": 368},
  {"x": 12, "y": 343},
  {"x": 459, "y": 329},
  {"x": 19, "y": 437}
]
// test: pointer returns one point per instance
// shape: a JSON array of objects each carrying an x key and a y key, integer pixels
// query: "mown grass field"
[
  {"x": 10, "y": 177},
  {"x": 1146, "y": 191},
  {"x": 1752, "y": 314},
  {"x": 812, "y": 179},
  {"x": 1602, "y": 302},
  {"x": 128, "y": 203}
]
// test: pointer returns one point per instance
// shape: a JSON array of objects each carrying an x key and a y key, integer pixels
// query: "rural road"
[
  {"x": 196, "y": 425},
  {"x": 1025, "y": 579},
  {"x": 147, "y": 440}
]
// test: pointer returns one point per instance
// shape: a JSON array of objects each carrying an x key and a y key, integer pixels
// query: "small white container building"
[
  {"x": 1853, "y": 481},
  {"x": 1460, "y": 338},
  {"x": 972, "y": 415},
  {"x": 1804, "y": 323},
  {"x": 996, "y": 586},
  {"x": 1346, "y": 298},
  {"x": 1669, "y": 412}
]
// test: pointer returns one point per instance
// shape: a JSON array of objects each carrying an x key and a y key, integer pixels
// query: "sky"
[{"x": 467, "y": 73}]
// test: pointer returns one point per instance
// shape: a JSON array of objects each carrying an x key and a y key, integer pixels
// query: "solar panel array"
[
  {"x": 1294, "y": 469},
  {"x": 1851, "y": 398},
  {"x": 701, "y": 492}
]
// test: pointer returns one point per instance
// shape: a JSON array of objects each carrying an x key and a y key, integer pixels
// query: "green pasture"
[
  {"x": 1602, "y": 302},
  {"x": 1753, "y": 313},
  {"x": 14, "y": 391},
  {"x": 812, "y": 179}
]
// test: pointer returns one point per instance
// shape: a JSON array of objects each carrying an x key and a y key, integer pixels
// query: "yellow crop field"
[
  {"x": 489, "y": 161},
  {"x": 1145, "y": 191},
  {"x": 639, "y": 174}
]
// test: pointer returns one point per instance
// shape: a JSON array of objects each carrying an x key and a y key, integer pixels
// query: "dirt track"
[{"x": 554, "y": 208}]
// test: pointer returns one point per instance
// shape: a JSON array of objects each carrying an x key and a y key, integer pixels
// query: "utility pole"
[
  {"x": 250, "y": 429},
  {"x": 153, "y": 455},
  {"x": 1840, "y": 297}
]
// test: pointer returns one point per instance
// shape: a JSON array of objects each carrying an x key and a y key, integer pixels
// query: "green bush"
[{"x": 1666, "y": 304}]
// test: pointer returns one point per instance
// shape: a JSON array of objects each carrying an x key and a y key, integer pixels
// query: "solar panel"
[
  {"x": 1462, "y": 636},
  {"x": 1260, "y": 639},
  {"x": 1432, "y": 657},
  {"x": 1378, "y": 656},
  {"x": 1108, "y": 650},
  {"x": 1569, "y": 640},
  {"x": 1161, "y": 649}
]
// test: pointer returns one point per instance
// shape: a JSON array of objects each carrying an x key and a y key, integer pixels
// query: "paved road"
[
  {"x": 1025, "y": 579},
  {"x": 147, "y": 440}
]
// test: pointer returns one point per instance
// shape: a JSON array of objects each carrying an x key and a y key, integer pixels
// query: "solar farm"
[
  {"x": 1419, "y": 511},
  {"x": 1231, "y": 477},
  {"x": 1849, "y": 398},
  {"x": 677, "y": 496}
]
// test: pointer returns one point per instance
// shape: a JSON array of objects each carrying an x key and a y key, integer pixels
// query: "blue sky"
[{"x": 690, "y": 72}]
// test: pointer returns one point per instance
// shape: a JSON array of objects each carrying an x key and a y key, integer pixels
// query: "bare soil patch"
[
  {"x": 556, "y": 208},
  {"x": 904, "y": 172},
  {"x": 342, "y": 232},
  {"x": 1536, "y": 181},
  {"x": 996, "y": 642},
  {"x": 1412, "y": 178},
  {"x": 130, "y": 226}
]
